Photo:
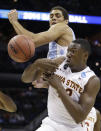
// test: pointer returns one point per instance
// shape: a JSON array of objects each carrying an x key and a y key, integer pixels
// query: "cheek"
[
  {"x": 60, "y": 19},
  {"x": 75, "y": 59}
]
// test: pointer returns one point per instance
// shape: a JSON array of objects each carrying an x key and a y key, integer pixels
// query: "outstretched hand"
[
  {"x": 13, "y": 16},
  {"x": 40, "y": 83},
  {"x": 52, "y": 79},
  {"x": 35, "y": 70},
  {"x": 46, "y": 65}
]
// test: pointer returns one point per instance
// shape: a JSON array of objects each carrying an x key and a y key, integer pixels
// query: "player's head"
[
  {"x": 58, "y": 14},
  {"x": 78, "y": 52}
]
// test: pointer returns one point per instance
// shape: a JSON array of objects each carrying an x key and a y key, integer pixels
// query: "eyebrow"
[{"x": 55, "y": 13}]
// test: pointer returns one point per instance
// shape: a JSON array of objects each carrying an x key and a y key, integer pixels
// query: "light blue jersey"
[{"x": 55, "y": 50}]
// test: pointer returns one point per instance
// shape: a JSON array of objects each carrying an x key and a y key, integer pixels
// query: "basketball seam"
[
  {"x": 18, "y": 57},
  {"x": 20, "y": 48},
  {"x": 28, "y": 46}
]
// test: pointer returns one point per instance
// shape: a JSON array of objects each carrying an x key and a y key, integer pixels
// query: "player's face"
[
  {"x": 74, "y": 55},
  {"x": 56, "y": 16}
]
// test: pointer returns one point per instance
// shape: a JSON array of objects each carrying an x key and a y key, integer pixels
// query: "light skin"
[
  {"x": 59, "y": 31},
  {"x": 6, "y": 103},
  {"x": 78, "y": 110}
]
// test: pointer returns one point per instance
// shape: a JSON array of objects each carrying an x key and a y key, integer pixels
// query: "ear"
[
  {"x": 86, "y": 55},
  {"x": 66, "y": 21}
]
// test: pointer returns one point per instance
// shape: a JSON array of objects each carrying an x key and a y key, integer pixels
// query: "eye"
[
  {"x": 51, "y": 15},
  {"x": 58, "y": 15}
]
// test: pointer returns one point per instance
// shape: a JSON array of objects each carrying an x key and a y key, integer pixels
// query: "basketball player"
[
  {"x": 93, "y": 120},
  {"x": 58, "y": 32},
  {"x": 72, "y": 91},
  {"x": 6, "y": 103},
  {"x": 59, "y": 35}
]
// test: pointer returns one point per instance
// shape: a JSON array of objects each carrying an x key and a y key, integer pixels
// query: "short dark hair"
[
  {"x": 84, "y": 44},
  {"x": 63, "y": 10}
]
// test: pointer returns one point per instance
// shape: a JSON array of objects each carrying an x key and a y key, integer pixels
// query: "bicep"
[
  {"x": 97, "y": 126},
  {"x": 88, "y": 97},
  {"x": 47, "y": 36}
]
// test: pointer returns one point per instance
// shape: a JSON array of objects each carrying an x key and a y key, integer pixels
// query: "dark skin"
[
  {"x": 36, "y": 69},
  {"x": 79, "y": 110},
  {"x": 76, "y": 59},
  {"x": 6, "y": 103},
  {"x": 97, "y": 126}
]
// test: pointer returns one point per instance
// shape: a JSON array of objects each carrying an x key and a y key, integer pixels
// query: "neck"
[{"x": 78, "y": 69}]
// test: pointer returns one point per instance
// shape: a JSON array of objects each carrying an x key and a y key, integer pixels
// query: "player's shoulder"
[
  {"x": 93, "y": 85},
  {"x": 94, "y": 79},
  {"x": 98, "y": 113},
  {"x": 61, "y": 25}
]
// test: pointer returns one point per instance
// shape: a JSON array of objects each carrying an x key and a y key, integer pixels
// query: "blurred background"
[{"x": 32, "y": 102}]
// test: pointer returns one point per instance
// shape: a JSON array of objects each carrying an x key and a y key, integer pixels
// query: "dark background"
[{"x": 31, "y": 102}]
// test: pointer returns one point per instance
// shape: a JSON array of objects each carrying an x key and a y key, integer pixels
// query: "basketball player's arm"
[
  {"x": 97, "y": 126},
  {"x": 13, "y": 19},
  {"x": 6, "y": 103},
  {"x": 35, "y": 70},
  {"x": 78, "y": 110},
  {"x": 39, "y": 39}
]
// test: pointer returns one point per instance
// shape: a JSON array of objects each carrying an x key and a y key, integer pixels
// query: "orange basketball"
[{"x": 21, "y": 48}]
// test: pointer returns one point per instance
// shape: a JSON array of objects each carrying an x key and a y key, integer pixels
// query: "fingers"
[
  {"x": 47, "y": 76},
  {"x": 13, "y": 15},
  {"x": 46, "y": 64},
  {"x": 41, "y": 84}
]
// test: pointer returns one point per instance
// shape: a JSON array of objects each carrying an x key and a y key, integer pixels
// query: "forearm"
[
  {"x": 75, "y": 109},
  {"x": 59, "y": 60},
  {"x": 31, "y": 73},
  {"x": 36, "y": 69},
  {"x": 20, "y": 30},
  {"x": 7, "y": 103}
]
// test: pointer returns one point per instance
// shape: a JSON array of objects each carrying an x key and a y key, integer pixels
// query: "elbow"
[
  {"x": 24, "y": 79},
  {"x": 79, "y": 119},
  {"x": 13, "y": 109}
]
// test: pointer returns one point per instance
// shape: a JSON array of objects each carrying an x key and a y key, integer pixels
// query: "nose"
[{"x": 54, "y": 17}]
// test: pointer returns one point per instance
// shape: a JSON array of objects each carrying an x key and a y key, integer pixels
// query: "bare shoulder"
[
  {"x": 93, "y": 86},
  {"x": 98, "y": 114},
  {"x": 59, "y": 60},
  {"x": 94, "y": 81},
  {"x": 60, "y": 27}
]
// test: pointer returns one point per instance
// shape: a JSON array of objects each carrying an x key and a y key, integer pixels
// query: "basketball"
[{"x": 21, "y": 48}]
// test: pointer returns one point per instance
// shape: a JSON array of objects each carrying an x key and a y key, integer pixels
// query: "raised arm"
[
  {"x": 13, "y": 19},
  {"x": 54, "y": 32},
  {"x": 97, "y": 126},
  {"x": 78, "y": 110},
  {"x": 6, "y": 103}
]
